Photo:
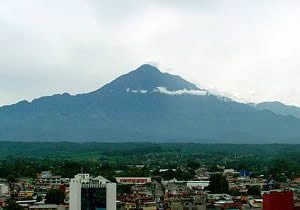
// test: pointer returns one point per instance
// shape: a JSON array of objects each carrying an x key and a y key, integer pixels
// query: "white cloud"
[
  {"x": 128, "y": 90},
  {"x": 143, "y": 91},
  {"x": 164, "y": 90}
]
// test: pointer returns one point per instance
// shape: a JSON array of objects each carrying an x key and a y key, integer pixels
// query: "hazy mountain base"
[{"x": 71, "y": 150}]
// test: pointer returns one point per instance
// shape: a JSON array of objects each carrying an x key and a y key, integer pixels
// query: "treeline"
[
  {"x": 113, "y": 159},
  {"x": 29, "y": 168},
  {"x": 277, "y": 169},
  {"x": 65, "y": 149}
]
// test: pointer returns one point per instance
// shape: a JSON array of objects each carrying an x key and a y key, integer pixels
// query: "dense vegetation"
[
  {"x": 218, "y": 184},
  {"x": 19, "y": 159},
  {"x": 55, "y": 196}
]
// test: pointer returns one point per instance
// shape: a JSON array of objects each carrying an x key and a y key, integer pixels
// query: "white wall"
[
  {"x": 200, "y": 184},
  {"x": 111, "y": 194},
  {"x": 75, "y": 195},
  {"x": 3, "y": 189}
]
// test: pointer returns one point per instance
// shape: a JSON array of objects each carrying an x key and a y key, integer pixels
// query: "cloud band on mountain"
[
  {"x": 164, "y": 90},
  {"x": 136, "y": 91}
]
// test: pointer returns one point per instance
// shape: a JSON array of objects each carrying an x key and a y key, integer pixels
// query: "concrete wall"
[
  {"x": 3, "y": 189},
  {"x": 199, "y": 184},
  {"x": 75, "y": 195},
  {"x": 111, "y": 195}
]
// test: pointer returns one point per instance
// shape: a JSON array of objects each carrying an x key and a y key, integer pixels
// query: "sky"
[{"x": 246, "y": 50}]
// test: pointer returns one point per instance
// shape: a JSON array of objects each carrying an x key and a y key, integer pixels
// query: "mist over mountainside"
[{"x": 145, "y": 105}]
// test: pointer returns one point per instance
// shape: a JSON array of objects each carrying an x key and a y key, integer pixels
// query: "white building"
[
  {"x": 47, "y": 207},
  {"x": 83, "y": 188},
  {"x": 47, "y": 179},
  {"x": 133, "y": 180},
  {"x": 189, "y": 184},
  {"x": 197, "y": 184},
  {"x": 228, "y": 171},
  {"x": 3, "y": 189}
]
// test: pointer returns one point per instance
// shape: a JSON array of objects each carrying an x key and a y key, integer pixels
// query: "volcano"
[{"x": 145, "y": 105}]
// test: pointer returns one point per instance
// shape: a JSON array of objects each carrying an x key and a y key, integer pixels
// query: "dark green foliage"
[
  {"x": 234, "y": 192},
  {"x": 254, "y": 190},
  {"x": 12, "y": 205},
  {"x": 275, "y": 161},
  {"x": 193, "y": 165},
  {"x": 157, "y": 179},
  {"x": 178, "y": 174},
  {"x": 243, "y": 166},
  {"x": 11, "y": 179},
  {"x": 278, "y": 166},
  {"x": 55, "y": 196},
  {"x": 124, "y": 189},
  {"x": 218, "y": 184},
  {"x": 39, "y": 198}
]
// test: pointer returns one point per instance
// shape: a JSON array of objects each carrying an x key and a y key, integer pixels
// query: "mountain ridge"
[
  {"x": 145, "y": 105},
  {"x": 280, "y": 108}
]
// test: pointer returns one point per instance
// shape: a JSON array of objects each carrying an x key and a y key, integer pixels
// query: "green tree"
[
  {"x": 234, "y": 192},
  {"x": 193, "y": 165},
  {"x": 12, "y": 205},
  {"x": 55, "y": 196},
  {"x": 39, "y": 198},
  {"x": 11, "y": 179},
  {"x": 254, "y": 190},
  {"x": 168, "y": 175},
  {"x": 218, "y": 184},
  {"x": 124, "y": 189}
]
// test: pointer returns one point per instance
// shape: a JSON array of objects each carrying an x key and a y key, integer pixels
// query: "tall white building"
[
  {"x": 3, "y": 189},
  {"x": 87, "y": 192}
]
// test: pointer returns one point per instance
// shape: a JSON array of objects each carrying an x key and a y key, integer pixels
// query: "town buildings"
[{"x": 151, "y": 193}]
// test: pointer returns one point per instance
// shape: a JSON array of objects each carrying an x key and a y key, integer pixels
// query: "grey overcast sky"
[{"x": 246, "y": 49}]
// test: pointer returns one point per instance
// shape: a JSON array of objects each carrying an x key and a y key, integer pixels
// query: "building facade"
[
  {"x": 88, "y": 193},
  {"x": 278, "y": 201},
  {"x": 133, "y": 180}
]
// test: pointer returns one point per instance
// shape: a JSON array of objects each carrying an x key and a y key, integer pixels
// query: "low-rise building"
[
  {"x": 133, "y": 180},
  {"x": 185, "y": 201},
  {"x": 48, "y": 207}
]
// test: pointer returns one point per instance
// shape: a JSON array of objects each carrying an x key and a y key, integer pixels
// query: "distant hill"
[
  {"x": 280, "y": 108},
  {"x": 145, "y": 105}
]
